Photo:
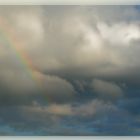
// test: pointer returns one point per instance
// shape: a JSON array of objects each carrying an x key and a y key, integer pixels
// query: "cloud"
[
  {"x": 57, "y": 89},
  {"x": 85, "y": 62},
  {"x": 131, "y": 105},
  {"x": 20, "y": 88},
  {"x": 57, "y": 47},
  {"x": 52, "y": 119},
  {"x": 79, "y": 34},
  {"x": 91, "y": 37},
  {"x": 92, "y": 108},
  {"x": 125, "y": 33},
  {"x": 106, "y": 90},
  {"x": 37, "y": 113}
]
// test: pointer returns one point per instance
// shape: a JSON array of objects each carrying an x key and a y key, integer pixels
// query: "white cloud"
[
  {"x": 120, "y": 33},
  {"x": 30, "y": 27}
]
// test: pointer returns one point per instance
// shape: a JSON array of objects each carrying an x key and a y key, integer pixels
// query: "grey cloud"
[
  {"x": 86, "y": 61},
  {"x": 21, "y": 88},
  {"x": 54, "y": 118},
  {"x": 58, "y": 89},
  {"x": 106, "y": 90},
  {"x": 85, "y": 37},
  {"x": 102, "y": 56},
  {"x": 81, "y": 32}
]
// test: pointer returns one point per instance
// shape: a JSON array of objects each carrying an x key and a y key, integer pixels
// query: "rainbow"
[{"x": 15, "y": 44}]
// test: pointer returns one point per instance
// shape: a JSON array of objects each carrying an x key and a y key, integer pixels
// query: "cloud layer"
[{"x": 84, "y": 72}]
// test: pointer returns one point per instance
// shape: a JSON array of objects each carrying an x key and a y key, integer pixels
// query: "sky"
[{"x": 70, "y": 70}]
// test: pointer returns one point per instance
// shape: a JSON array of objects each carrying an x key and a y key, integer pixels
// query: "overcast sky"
[{"x": 69, "y": 70}]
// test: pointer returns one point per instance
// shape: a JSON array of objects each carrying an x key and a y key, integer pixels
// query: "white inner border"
[{"x": 70, "y": 2}]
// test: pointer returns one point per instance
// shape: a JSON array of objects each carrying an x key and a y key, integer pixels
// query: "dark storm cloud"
[{"x": 106, "y": 119}]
